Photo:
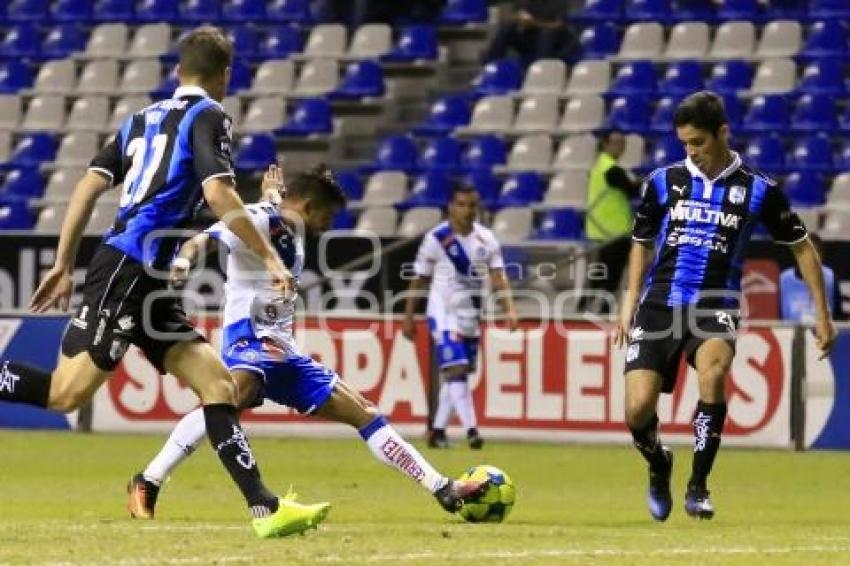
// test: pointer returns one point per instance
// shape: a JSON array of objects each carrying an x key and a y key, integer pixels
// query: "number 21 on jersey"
[{"x": 139, "y": 177}]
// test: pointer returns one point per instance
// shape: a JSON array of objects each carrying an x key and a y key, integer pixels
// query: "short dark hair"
[
  {"x": 205, "y": 52},
  {"x": 703, "y": 110},
  {"x": 605, "y": 137},
  {"x": 317, "y": 184},
  {"x": 460, "y": 188}
]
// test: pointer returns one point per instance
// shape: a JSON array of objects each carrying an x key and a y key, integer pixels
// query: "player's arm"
[
  {"x": 196, "y": 246},
  {"x": 812, "y": 272},
  {"x": 415, "y": 290},
  {"x": 502, "y": 287}
]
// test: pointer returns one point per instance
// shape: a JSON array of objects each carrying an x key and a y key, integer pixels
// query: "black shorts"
[
  {"x": 660, "y": 335},
  {"x": 123, "y": 305}
]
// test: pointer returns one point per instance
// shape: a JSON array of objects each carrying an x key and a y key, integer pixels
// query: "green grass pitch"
[{"x": 62, "y": 502}]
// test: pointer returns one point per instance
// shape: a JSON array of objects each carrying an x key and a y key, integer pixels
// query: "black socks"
[
  {"x": 708, "y": 426},
  {"x": 646, "y": 441},
  {"x": 21, "y": 383}
]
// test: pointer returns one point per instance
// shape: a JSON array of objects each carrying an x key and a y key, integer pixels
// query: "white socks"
[
  {"x": 391, "y": 449},
  {"x": 183, "y": 440},
  {"x": 462, "y": 401},
  {"x": 444, "y": 408}
]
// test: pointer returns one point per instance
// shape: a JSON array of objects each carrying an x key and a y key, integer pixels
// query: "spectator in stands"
[
  {"x": 608, "y": 216},
  {"x": 354, "y": 13},
  {"x": 535, "y": 30},
  {"x": 795, "y": 299}
]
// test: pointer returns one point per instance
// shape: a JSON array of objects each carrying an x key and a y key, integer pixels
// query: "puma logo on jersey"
[{"x": 678, "y": 189}]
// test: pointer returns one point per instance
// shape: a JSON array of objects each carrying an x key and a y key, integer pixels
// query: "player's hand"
[
  {"x": 179, "y": 274},
  {"x": 408, "y": 329},
  {"x": 824, "y": 336},
  {"x": 512, "y": 320},
  {"x": 55, "y": 290},
  {"x": 272, "y": 185},
  {"x": 282, "y": 279}
]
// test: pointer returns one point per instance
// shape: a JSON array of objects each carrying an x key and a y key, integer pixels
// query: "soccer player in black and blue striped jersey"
[
  {"x": 168, "y": 158},
  {"x": 691, "y": 230}
]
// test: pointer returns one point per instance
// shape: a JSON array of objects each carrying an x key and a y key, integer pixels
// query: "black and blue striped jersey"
[
  {"x": 161, "y": 156},
  {"x": 701, "y": 228}
]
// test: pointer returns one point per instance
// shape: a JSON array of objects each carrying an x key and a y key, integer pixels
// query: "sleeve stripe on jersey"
[
  {"x": 797, "y": 241},
  {"x": 227, "y": 174},
  {"x": 636, "y": 239},
  {"x": 106, "y": 172}
]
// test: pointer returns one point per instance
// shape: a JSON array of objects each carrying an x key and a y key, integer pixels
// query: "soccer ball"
[{"x": 496, "y": 503}]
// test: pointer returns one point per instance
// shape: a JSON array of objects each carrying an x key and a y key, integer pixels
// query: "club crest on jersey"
[{"x": 737, "y": 194}]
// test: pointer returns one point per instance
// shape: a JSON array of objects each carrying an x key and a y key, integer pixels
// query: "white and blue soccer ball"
[{"x": 496, "y": 503}]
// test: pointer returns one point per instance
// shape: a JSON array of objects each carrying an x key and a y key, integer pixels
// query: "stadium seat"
[
  {"x": 512, "y": 225},
  {"x": 233, "y": 107},
  {"x": 44, "y": 112},
  {"x": 521, "y": 189},
  {"x": 486, "y": 184},
  {"x": 842, "y": 158},
  {"x": 688, "y": 40},
  {"x": 263, "y": 114},
  {"x": 530, "y": 153},
  {"x": 766, "y": 153},
  {"x": 576, "y": 153},
  {"x": 245, "y": 39},
  {"x": 71, "y": 11},
  {"x": 56, "y": 77},
  {"x": 311, "y": 116},
  {"x": 414, "y": 43},
  {"x": 141, "y": 76},
  {"x": 419, "y": 220},
  {"x": 582, "y": 114},
  {"x": 326, "y": 40},
  {"x": 634, "y": 151},
  {"x": 240, "y": 76},
  {"x": 635, "y": 78},
  {"x": 395, "y": 153},
  {"x": 343, "y": 220},
  {"x": 823, "y": 76},
  {"x": 840, "y": 191},
  {"x": 780, "y": 38},
  {"x": 767, "y": 114},
  {"x": 567, "y": 188},
  {"x": 107, "y": 40},
  {"x": 836, "y": 224},
  {"x": 194, "y": 12},
  {"x": 827, "y": 38},
  {"x": 99, "y": 76},
  {"x": 63, "y": 40},
  {"x": 642, "y": 41},
  {"x": 14, "y": 76},
  {"x": 730, "y": 77},
  {"x": 378, "y": 220},
  {"x": 829, "y": 9},
  {"x": 289, "y": 11},
  {"x": 280, "y": 42},
  {"x": 649, "y": 11},
  {"x": 166, "y": 87},
  {"x": 805, "y": 188},
  {"x": 599, "y": 41},
  {"x": 789, "y": 9},
  {"x": 844, "y": 120},
  {"x": 538, "y": 113},
  {"x": 5, "y": 145},
  {"x": 775, "y": 76},
  {"x": 275, "y": 76},
  {"x": 560, "y": 224},
  {"x": 441, "y": 153},
  {"x": 244, "y": 11},
  {"x": 386, "y": 188},
  {"x": 662, "y": 119},
  {"x": 813, "y": 153},
  {"x": 114, "y": 11},
  {"x": 589, "y": 77},
  {"x": 156, "y": 11},
  {"x": 545, "y": 76},
  {"x": 76, "y": 149},
  {"x": 694, "y": 11},
  {"x": 734, "y": 40},
  {"x": 16, "y": 216},
  {"x": 27, "y": 10},
  {"x": 665, "y": 150},
  {"x": 629, "y": 114},
  {"x": 88, "y": 113},
  {"x": 484, "y": 152},
  {"x": 21, "y": 41},
  {"x": 10, "y": 111},
  {"x": 370, "y": 41},
  {"x": 498, "y": 77},
  {"x": 600, "y": 11},
  {"x": 317, "y": 78},
  {"x": 447, "y": 113},
  {"x": 351, "y": 183},
  {"x": 363, "y": 79},
  {"x": 462, "y": 12},
  {"x": 492, "y": 114},
  {"x": 63, "y": 180},
  {"x": 815, "y": 113},
  {"x": 738, "y": 10},
  {"x": 682, "y": 77},
  {"x": 429, "y": 189},
  {"x": 256, "y": 152},
  {"x": 23, "y": 183},
  {"x": 734, "y": 110}
]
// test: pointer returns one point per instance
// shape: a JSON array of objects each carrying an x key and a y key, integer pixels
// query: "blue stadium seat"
[
  {"x": 498, "y": 77},
  {"x": 166, "y": 87},
  {"x": 826, "y": 38},
  {"x": 662, "y": 119},
  {"x": 63, "y": 40},
  {"x": 637, "y": 77},
  {"x": 429, "y": 189},
  {"x": 766, "y": 153},
  {"x": 16, "y": 215},
  {"x": 483, "y": 152},
  {"x": 281, "y": 42},
  {"x": 71, "y": 11},
  {"x": 343, "y": 220},
  {"x": 844, "y": 120},
  {"x": 521, "y": 189},
  {"x": 395, "y": 153},
  {"x": 462, "y": 12},
  {"x": 815, "y": 113},
  {"x": 842, "y": 157},
  {"x": 414, "y": 43},
  {"x": 240, "y": 76},
  {"x": 681, "y": 78},
  {"x": 32, "y": 151},
  {"x": 441, "y": 153},
  {"x": 560, "y": 224},
  {"x": 629, "y": 114},
  {"x": 312, "y": 116},
  {"x": 747, "y": 10},
  {"x": 245, "y": 39},
  {"x": 194, "y": 12},
  {"x": 599, "y": 41},
  {"x": 351, "y": 183},
  {"x": 828, "y": 9},
  {"x": 823, "y": 76},
  {"x": 805, "y": 188},
  {"x": 665, "y": 150},
  {"x": 244, "y": 11},
  {"x": 150, "y": 11},
  {"x": 289, "y": 12},
  {"x": 446, "y": 114},
  {"x": 256, "y": 152},
  {"x": 728, "y": 77},
  {"x": 14, "y": 76},
  {"x": 487, "y": 185},
  {"x": 734, "y": 110},
  {"x": 600, "y": 11},
  {"x": 767, "y": 114},
  {"x": 363, "y": 79},
  {"x": 659, "y": 11},
  {"x": 813, "y": 153},
  {"x": 694, "y": 11},
  {"x": 22, "y": 184},
  {"x": 123, "y": 11},
  {"x": 788, "y": 9},
  {"x": 21, "y": 41},
  {"x": 27, "y": 10}
]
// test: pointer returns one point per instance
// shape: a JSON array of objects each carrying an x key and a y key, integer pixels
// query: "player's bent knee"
[{"x": 217, "y": 390}]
